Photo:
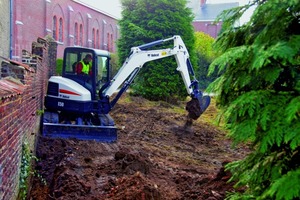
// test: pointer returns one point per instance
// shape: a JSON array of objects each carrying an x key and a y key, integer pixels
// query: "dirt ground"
[{"x": 156, "y": 157}]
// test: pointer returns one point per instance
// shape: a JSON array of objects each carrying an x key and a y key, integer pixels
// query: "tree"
[
  {"x": 144, "y": 21},
  {"x": 114, "y": 64},
  {"x": 259, "y": 94},
  {"x": 59, "y": 66},
  {"x": 205, "y": 55}
]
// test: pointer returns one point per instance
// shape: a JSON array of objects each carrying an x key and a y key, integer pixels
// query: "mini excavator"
[{"x": 77, "y": 105}]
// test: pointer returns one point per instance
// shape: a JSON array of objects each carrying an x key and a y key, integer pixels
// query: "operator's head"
[{"x": 88, "y": 58}]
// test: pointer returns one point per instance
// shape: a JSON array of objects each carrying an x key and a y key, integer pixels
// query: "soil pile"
[{"x": 156, "y": 157}]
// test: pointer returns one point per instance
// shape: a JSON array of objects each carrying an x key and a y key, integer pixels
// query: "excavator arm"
[{"x": 139, "y": 56}]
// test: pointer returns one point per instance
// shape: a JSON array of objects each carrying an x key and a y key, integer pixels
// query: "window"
[
  {"x": 76, "y": 34},
  {"x": 58, "y": 29},
  {"x": 54, "y": 28},
  {"x": 98, "y": 40},
  {"x": 111, "y": 42},
  {"x": 81, "y": 35},
  {"x": 108, "y": 42},
  {"x": 102, "y": 76},
  {"x": 71, "y": 60},
  {"x": 93, "y": 39},
  {"x": 61, "y": 28}
]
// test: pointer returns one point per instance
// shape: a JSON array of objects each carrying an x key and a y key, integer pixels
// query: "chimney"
[{"x": 202, "y": 3}]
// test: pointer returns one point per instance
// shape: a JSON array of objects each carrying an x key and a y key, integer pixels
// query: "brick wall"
[
  {"x": 22, "y": 90},
  {"x": 208, "y": 27}
]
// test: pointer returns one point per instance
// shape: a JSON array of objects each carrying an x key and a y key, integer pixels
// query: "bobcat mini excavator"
[{"x": 78, "y": 106}]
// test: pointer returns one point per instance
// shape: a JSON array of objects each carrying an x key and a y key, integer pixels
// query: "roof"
[{"x": 209, "y": 12}]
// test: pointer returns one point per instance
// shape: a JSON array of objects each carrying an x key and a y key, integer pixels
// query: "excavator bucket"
[
  {"x": 103, "y": 131},
  {"x": 196, "y": 106}
]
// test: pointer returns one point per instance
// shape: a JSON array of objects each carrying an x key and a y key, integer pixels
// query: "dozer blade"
[
  {"x": 99, "y": 133},
  {"x": 196, "y": 106},
  {"x": 81, "y": 132}
]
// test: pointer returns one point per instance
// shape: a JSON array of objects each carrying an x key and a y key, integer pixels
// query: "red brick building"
[
  {"x": 69, "y": 22},
  {"x": 205, "y": 15}
]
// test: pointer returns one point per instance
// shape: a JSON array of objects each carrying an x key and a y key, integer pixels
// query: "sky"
[
  {"x": 246, "y": 15},
  {"x": 241, "y": 2},
  {"x": 113, "y": 7}
]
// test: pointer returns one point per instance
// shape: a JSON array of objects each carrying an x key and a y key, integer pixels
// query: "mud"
[{"x": 156, "y": 157}]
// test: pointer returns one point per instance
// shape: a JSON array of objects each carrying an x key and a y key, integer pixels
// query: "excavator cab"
[{"x": 99, "y": 71}]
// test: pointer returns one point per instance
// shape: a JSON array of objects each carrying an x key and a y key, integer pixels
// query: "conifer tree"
[
  {"x": 145, "y": 21},
  {"x": 259, "y": 94}
]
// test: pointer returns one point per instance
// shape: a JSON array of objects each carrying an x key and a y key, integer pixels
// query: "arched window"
[
  {"x": 76, "y": 34},
  {"x": 61, "y": 32},
  {"x": 54, "y": 28}
]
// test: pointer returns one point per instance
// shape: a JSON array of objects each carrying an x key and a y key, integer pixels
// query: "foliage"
[
  {"x": 145, "y": 21},
  {"x": 204, "y": 46},
  {"x": 25, "y": 170},
  {"x": 205, "y": 56},
  {"x": 40, "y": 112},
  {"x": 259, "y": 94},
  {"x": 114, "y": 64},
  {"x": 59, "y": 66}
]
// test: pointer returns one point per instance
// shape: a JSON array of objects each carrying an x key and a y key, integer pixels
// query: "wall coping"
[{"x": 10, "y": 87}]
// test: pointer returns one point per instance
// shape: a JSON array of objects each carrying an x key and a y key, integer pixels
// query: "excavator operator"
[{"x": 84, "y": 67}]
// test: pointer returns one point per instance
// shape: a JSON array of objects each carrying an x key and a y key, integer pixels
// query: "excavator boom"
[{"x": 141, "y": 55}]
